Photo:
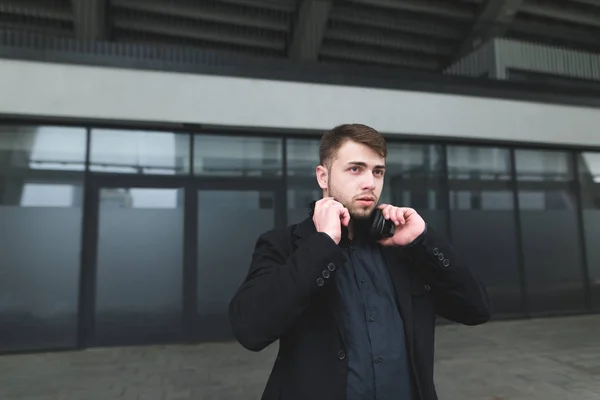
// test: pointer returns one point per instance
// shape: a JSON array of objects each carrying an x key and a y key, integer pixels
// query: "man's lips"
[{"x": 366, "y": 199}]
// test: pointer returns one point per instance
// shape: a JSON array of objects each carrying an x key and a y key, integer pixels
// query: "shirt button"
[
  {"x": 362, "y": 280},
  {"x": 379, "y": 359},
  {"x": 372, "y": 318}
]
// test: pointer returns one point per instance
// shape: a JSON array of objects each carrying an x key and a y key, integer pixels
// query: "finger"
[
  {"x": 394, "y": 215},
  {"x": 382, "y": 206},
  {"x": 345, "y": 214},
  {"x": 387, "y": 211},
  {"x": 401, "y": 218}
]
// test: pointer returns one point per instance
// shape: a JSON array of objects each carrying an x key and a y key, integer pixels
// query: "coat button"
[
  {"x": 435, "y": 251},
  {"x": 341, "y": 354},
  {"x": 320, "y": 281},
  {"x": 331, "y": 267},
  {"x": 441, "y": 256},
  {"x": 446, "y": 262},
  {"x": 427, "y": 288},
  {"x": 326, "y": 274}
]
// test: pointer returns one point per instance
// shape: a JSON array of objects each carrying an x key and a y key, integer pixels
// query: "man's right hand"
[{"x": 328, "y": 217}]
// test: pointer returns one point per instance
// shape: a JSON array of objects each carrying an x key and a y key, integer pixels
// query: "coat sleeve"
[
  {"x": 458, "y": 294},
  {"x": 280, "y": 284}
]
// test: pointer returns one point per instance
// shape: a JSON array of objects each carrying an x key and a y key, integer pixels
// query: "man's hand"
[
  {"x": 409, "y": 225},
  {"x": 328, "y": 217}
]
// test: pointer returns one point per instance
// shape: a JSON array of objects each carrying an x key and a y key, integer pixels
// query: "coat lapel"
[{"x": 398, "y": 269}]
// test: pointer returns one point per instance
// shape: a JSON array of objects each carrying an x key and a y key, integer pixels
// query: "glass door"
[
  {"x": 230, "y": 217},
  {"x": 136, "y": 269}
]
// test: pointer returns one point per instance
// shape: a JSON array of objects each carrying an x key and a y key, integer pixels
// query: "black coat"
[{"x": 285, "y": 297}]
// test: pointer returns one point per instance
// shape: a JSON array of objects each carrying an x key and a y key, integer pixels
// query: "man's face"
[{"x": 355, "y": 178}]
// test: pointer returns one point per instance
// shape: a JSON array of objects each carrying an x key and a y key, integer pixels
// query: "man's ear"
[{"x": 322, "y": 177}]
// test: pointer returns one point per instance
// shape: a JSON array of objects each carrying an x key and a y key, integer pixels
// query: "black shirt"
[{"x": 373, "y": 329}]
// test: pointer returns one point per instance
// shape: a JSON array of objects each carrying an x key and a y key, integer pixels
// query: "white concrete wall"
[{"x": 44, "y": 89}]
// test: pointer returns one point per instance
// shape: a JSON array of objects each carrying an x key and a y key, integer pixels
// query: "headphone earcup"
[{"x": 377, "y": 224}]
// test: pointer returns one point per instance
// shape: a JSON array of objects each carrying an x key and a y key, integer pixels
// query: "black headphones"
[{"x": 379, "y": 227}]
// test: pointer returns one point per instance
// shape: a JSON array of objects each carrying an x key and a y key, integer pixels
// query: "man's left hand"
[{"x": 409, "y": 225}]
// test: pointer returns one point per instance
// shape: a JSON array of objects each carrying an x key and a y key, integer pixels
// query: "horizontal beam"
[
  {"x": 561, "y": 13},
  {"x": 217, "y": 12},
  {"x": 71, "y": 91},
  {"x": 441, "y": 8},
  {"x": 36, "y": 9},
  {"x": 383, "y": 20},
  {"x": 197, "y": 31}
]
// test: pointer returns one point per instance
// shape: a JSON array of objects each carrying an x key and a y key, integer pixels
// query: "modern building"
[{"x": 134, "y": 180}]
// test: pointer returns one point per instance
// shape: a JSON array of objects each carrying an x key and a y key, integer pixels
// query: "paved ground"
[{"x": 549, "y": 359}]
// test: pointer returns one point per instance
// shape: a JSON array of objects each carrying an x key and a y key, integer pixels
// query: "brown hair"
[{"x": 333, "y": 139}]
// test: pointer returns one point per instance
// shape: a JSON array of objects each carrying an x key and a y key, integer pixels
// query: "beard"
[{"x": 357, "y": 211}]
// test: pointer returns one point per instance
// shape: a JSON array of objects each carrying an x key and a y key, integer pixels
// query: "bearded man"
[{"x": 354, "y": 309}]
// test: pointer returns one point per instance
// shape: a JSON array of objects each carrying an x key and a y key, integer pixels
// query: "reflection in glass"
[
  {"x": 139, "y": 265},
  {"x": 41, "y": 147},
  {"x": 485, "y": 163},
  {"x": 139, "y": 152},
  {"x": 481, "y": 211},
  {"x": 589, "y": 178},
  {"x": 41, "y": 182},
  {"x": 550, "y": 234},
  {"x": 534, "y": 165},
  {"x": 226, "y": 219},
  {"x": 414, "y": 178},
  {"x": 141, "y": 198},
  {"x": 302, "y": 157},
  {"x": 220, "y": 155},
  {"x": 478, "y": 199},
  {"x": 414, "y": 161}
]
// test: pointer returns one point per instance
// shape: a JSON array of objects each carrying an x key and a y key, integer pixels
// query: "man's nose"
[{"x": 368, "y": 182}]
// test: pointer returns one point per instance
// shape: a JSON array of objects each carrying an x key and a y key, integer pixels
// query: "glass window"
[
  {"x": 139, "y": 152},
  {"x": 481, "y": 211},
  {"x": 220, "y": 155},
  {"x": 220, "y": 270},
  {"x": 302, "y": 157},
  {"x": 140, "y": 251},
  {"x": 302, "y": 161},
  {"x": 415, "y": 178},
  {"x": 41, "y": 181},
  {"x": 24, "y": 148},
  {"x": 414, "y": 161},
  {"x": 550, "y": 231},
  {"x": 481, "y": 163},
  {"x": 535, "y": 165},
  {"x": 589, "y": 177}
]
